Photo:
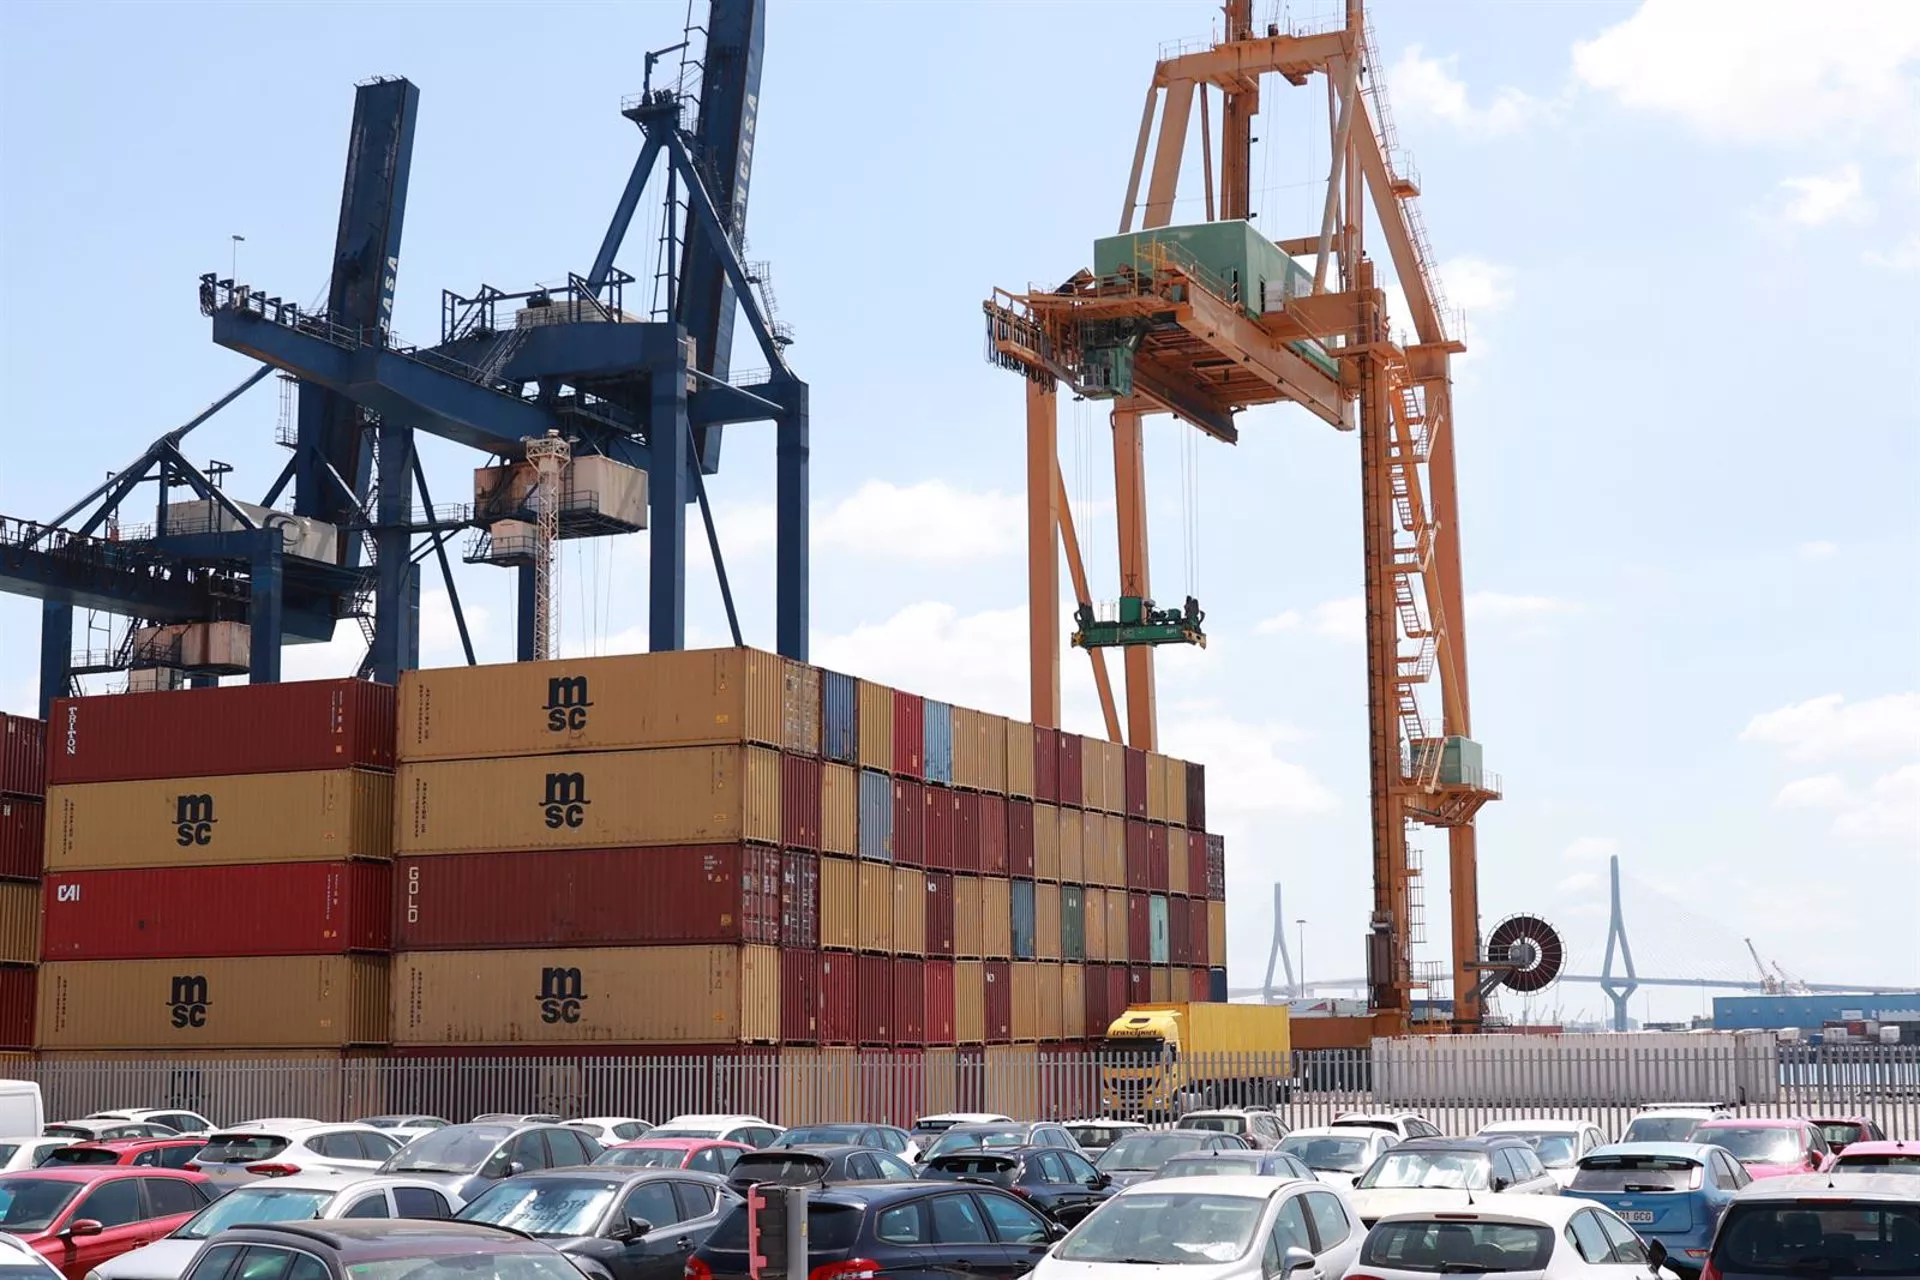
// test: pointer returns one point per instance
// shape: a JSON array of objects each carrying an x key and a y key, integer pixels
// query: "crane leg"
[
  {"x": 1043, "y": 552},
  {"x": 1130, "y": 502}
]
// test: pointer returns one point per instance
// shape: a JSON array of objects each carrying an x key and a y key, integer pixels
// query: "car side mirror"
[
  {"x": 1656, "y": 1256},
  {"x": 1055, "y": 1231},
  {"x": 1100, "y": 1181},
  {"x": 1501, "y": 1184},
  {"x": 636, "y": 1229},
  {"x": 1294, "y": 1261},
  {"x": 81, "y": 1227},
  {"x": 497, "y": 1166}
]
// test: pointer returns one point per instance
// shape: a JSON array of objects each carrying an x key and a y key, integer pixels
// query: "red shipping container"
[
  {"x": 248, "y": 728},
  {"x": 998, "y": 975},
  {"x": 799, "y": 899},
  {"x": 1197, "y": 944},
  {"x": 942, "y": 827},
  {"x": 673, "y": 894},
  {"x": 940, "y": 915},
  {"x": 909, "y": 1002},
  {"x": 839, "y": 1021},
  {"x": 909, "y": 823},
  {"x": 1120, "y": 991},
  {"x": 1139, "y": 984},
  {"x": 1046, "y": 765},
  {"x": 799, "y": 802},
  {"x": 966, "y": 835},
  {"x": 1199, "y": 986},
  {"x": 1197, "y": 797},
  {"x": 23, "y": 827},
  {"x": 1217, "y": 868},
  {"x": 1069, "y": 757},
  {"x": 993, "y": 835},
  {"x": 23, "y": 756},
  {"x": 1136, "y": 857},
  {"x": 1136, "y": 783},
  {"x": 1157, "y": 868},
  {"x": 16, "y": 1006},
  {"x": 909, "y": 734},
  {"x": 1179, "y": 932},
  {"x": 799, "y": 996},
  {"x": 1020, "y": 839},
  {"x": 1139, "y": 927},
  {"x": 875, "y": 983},
  {"x": 1098, "y": 1017},
  {"x": 270, "y": 909},
  {"x": 937, "y": 979},
  {"x": 1196, "y": 863}
]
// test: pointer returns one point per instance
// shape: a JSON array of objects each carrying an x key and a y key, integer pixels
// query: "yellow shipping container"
[
  {"x": 1026, "y": 999},
  {"x": 590, "y": 995},
  {"x": 969, "y": 1002},
  {"x": 1093, "y": 778},
  {"x": 840, "y": 809},
  {"x": 698, "y": 697},
  {"x": 839, "y": 904},
  {"x": 969, "y": 750},
  {"x": 993, "y": 730},
  {"x": 1073, "y": 1002},
  {"x": 1096, "y": 907},
  {"x": 1117, "y": 927},
  {"x": 1217, "y": 932},
  {"x": 259, "y": 1002},
  {"x": 1019, "y": 759},
  {"x": 969, "y": 922},
  {"x": 1046, "y": 841},
  {"x": 1046, "y": 921},
  {"x": 1177, "y": 792},
  {"x": 909, "y": 911},
  {"x": 876, "y": 727},
  {"x": 876, "y": 906},
  {"x": 19, "y": 923},
  {"x": 1053, "y": 996},
  {"x": 1073, "y": 865},
  {"x": 996, "y": 917},
  {"x": 322, "y": 816},
  {"x": 799, "y": 708},
  {"x": 1156, "y": 787}
]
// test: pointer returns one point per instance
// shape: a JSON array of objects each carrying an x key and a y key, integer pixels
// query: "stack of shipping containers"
[
  {"x": 218, "y": 872},
  {"x": 22, "y": 821}
]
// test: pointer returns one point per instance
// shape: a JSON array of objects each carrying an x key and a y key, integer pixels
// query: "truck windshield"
[{"x": 1129, "y": 1051}]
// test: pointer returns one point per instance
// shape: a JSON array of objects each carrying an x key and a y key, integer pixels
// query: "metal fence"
[{"x": 794, "y": 1086}]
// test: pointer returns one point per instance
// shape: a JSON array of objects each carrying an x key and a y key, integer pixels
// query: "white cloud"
[
  {"x": 1498, "y": 606},
  {"x": 1476, "y": 286},
  {"x": 335, "y": 658},
  {"x": 1289, "y": 620},
  {"x": 1245, "y": 772},
  {"x": 1828, "y": 727},
  {"x": 439, "y": 637},
  {"x": 931, "y": 521},
  {"x": 1904, "y": 256},
  {"x": 1765, "y": 71},
  {"x": 1343, "y": 619},
  {"x": 1822, "y": 791},
  {"x": 1579, "y": 884},
  {"x": 1427, "y": 88},
  {"x": 976, "y": 660},
  {"x": 1590, "y": 847},
  {"x": 1819, "y": 550},
  {"x": 1819, "y": 198},
  {"x": 1888, "y": 809}
]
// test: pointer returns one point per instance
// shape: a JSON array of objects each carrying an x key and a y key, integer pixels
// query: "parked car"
[
  {"x": 927, "y": 1128},
  {"x": 1338, "y": 1156},
  {"x": 1138, "y": 1156},
  {"x": 27, "y": 1153},
  {"x": 1095, "y": 1136},
  {"x": 277, "y": 1122},
  {"x": 1878, "y": 1157},
  {"x": 1007, "y": 1133},
  {"x": 1842, "y": 1132},
  {"x": 1560, "y": 1144},
  {"x": 608, "y": 1130},
  {"x": 1768, "y": 1147},
  {"x": 1064, "y": 1185},
  {"x": 934, "y": 1228},
  {"x": 1547, "y": 1237},
  {"x": 79, "y": 1218},
  {"x": 404, "y": 1128},
  {"x": 96, "y": 1130},
  {"x": 1865, "y": 1224},
  {"x": 1439, "y": 1173},
  {"x": 613, "y": 1224},
  {"x": 1220, "y": 1164},
  {"x": 818, "y": 1165},
  {"x": 1671, "y": 1121},
  {"x": 180, "y": 1121},
  {"x": 368, "y": 1250},
  {"x": 301, "y": 1197},
  {"x": 699, "y": 1155},
  {"x": 1673, "y": 1192},
  {"x": 20, "y": 1261},
  {"x": 750, "y": 1130},
  {"x": 881, "y": 1137},
  {"x": 1262, "y": 1129},
  {"x": 466, "y": 1159},
  {"x": 1222, "y": 1228},
  {"x": 163, "y": 1153},
  {"x": 282, "y": 1151},
  {"x": 505, "y": 1117},
  {"x": 1401, "y": 1124}
]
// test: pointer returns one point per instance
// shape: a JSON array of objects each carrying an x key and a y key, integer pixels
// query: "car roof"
[
  {"x": 1221, "y": 1184},
  {"x": 1829, "y": 1117},
  {"x": 604, "y": 1120},
  {"x": 1677, "y": 1150},
  {"x": 1103, "y": 1122},
  {"x": 1338, "y": 1131},
  {"x": 1552, "y": 1211},
  {"x": 1680, "y": 1108},
  {"x": 965, "y": 1117},
  {"x": 827, "y": 1150},
  {"x": 645, "y": 1143},
  {"x": 861, "y": 1194},
  {"x": 322, "y": 1180},
  {"x": 1753, "y": 1122},
  {"x": 1798, "y": 1187},
  {"x": 715, "y": 1119},
  {"x": 1228, "y": 1111},
  {"x": 615, "y": 1172},
  {"x": 98, "y": 1172},
  {"x": 1535, "y": 1126},
  {"x": 1892, "y": 1147},
  {"x": 1479, "y": 1142},
  {"x": 989, "y": 1153},
  {"x": 139, "y": 1144},
  {"x": 997, "y": 1126},
  {"x": 1377, "y": 1115},
  {"x": 373, "y": 1238}
]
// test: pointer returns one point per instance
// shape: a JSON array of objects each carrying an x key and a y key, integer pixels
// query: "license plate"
[{"x": 1636, "y": 1215}]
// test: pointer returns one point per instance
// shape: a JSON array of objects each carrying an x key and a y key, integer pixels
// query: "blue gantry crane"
[{"x": 640, "y": 400}]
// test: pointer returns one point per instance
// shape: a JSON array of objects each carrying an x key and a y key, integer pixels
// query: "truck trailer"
[{"x": 1163, "y": 1060}]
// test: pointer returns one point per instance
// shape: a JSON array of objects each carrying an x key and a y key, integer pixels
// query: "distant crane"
[{"x": 1779, "y": 981}]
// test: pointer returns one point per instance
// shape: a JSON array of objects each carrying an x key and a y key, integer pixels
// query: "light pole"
[
  {"x": 233, "y": 266},
  {"x": 1303, "y": 958}
]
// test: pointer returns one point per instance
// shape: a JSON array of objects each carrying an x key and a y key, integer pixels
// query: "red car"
[
  {"x": 149, "y": 1153},
  {"x": 1842, "y": 1131},
  {"x": 79, "y": 1217},
  {"x": 702, "y": 1155},
  {"x": 1877, "y": 1157},
  {"x": 1768, "y": 1147}
]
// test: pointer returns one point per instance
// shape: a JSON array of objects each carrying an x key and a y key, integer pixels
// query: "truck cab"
[{"x": 1163, "y": 1060}]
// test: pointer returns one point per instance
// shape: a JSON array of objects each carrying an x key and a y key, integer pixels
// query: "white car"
[
  {"x": 1442, "y": 1173},
  {"x": 187, "y": 1123},
  {"x": 104, "y": 1130},
  {"x": 21, "y": 1261},
  {"x": 284, "y": 1150},
  {"x": 1544, "y": 1237},
  {"x": 749, "y": 1130},
  {"x": 927, "y": 1128},
  {"x": 296, "y": 1198},
  {"x": 27, "y": 1153},
  {"x": 1226, "y": 1228},
  {"x": 1401, "y": 1124},
  {"x": 406, "y": 1127},
  {"x": 612, "y": 1129},
  {"x": 1560, "y": 1144},
  {"x": 1338, "y": 1156},
  {"x": 1671, "y": 1121}
]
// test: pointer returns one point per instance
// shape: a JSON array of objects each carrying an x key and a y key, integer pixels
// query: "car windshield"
[
  {"x": 403, "y": 1122},
  {"x": 831, "y": 1228},
  {"x": 1464, "y": 1170},
  {"x": 12, "y": 1270},
  {"x": 994, "y": 1168},
  {"x": 30, "y": 1204},
  {"x": 467, "y": 1265},
  {"x": 545, "y": 1206},
  {"x": 82, "y": 1155},
  {"x": 642, "y": 1157},
  {"x": 1555, "y": 1149},
  {"x": 254, "y": 1204},
  {"x": 1825, "y": 1237},
  {"x": 1148, "y": 1151},
  {"x": 460, "y": 1148},
  {"x": 1209, "y": 1166},
  {"x": 962, "y": 1140},
  {"x": 1333, "y": 1155},
  {"x": 1839, "y": 1133},
  {"x": 790, "y": 1168},
  {"x": 1638, "y": 1173},
  {"x": 240, "y": 1148},
  {"x": 1166, "y": 1228},
  {"x": 1758, "y": 1144},
  {"x": 677, "y": 1132},
  {"x": 1891, "y": 1162},
  {"x": 1662, "y": 1129},
  {"x": 817, "y": 1134},
  {"x": 1093, "y": 1137},
  {"x": 1458, "y": 1247},
  {"x": 1216, "y": 1124}
]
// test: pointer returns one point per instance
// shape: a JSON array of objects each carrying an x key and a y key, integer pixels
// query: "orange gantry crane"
[{"x": 1206, "y": 319}]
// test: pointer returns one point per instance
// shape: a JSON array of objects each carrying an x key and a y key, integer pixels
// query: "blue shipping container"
[
  {"x": 840, "y": 717},
  {"x": 937, "y": 750},
  {"x": 1157, "y": 940},
  {"x": 1217, "y": 985},
  {"x": 876, "y": 816},
  {"x": 1023, "y": 919}
]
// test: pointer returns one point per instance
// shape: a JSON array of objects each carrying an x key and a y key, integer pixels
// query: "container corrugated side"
[
  {"x": 1198, "y": 943},
  {"x": 1157, "y": 810},
  {"x": 876, "y": 816},
  {"x": 1073, "y": 1002},
  {"x": 799, "y": 708},
  {"x": 840, "y": 810},
  {"x": 1046, "y": 841},
  {"x": 876, "y": 906},
  {"x": 19, "y": 923},
  {"x": 1093, "y": 849},
  {"x": 1119, "y": 937},
  {"x": 839, "y": 999},
  {"x": 993, "y": 752},
  {"x": 993, "y": 835},
  {"x": 23, "y": 756},
  {"x": 1136, "y": 834},
  {"x": 799, "y": 899},
  {"x": 1158, "y": 937},
  {"x": 1046, "y": 764},
  {"x": 1047, "y": 926},
  {"x": 23, "y": 835},
  {"x": 265, "y": 909},
  {"x": 1177, "y": 792},
  {"x": 1179, "y": 865},
  {"x": 17, "y": 1007},
  {"x": 1196, "y": 844},
  {"x": 799, "y": 997},
  {"x": 1071, "y": 751},
  {"x": 1113, "y": 766},
  {"x": 591, "y": 800},
  {"x": 969, "y": 918},
  {"x": 1160, "y": 985},
  {"x": 685, "y": 698},
  {"x": 800, "y": 802},
  {"x": 1179, "y": 932},
  {"x": 942, "y": 830},
  {"x": 998, "y": 976},
  {"x": 1134, "y": 783},
  {"x": 839, "y": 717},
  {"x": 1196, "y": 797},
  {"x": 1020, "y": 759},
  {"x": 874, "y": 986},
  {"x": 966, "y": 831},
  {"x": 969, "y": 750},
  {"x": 909, "y": 1002},
  {"x": 1093, "y": 793},
  {"x": 909, "y": 734},
  {"x": 624, "y": 995},
  {"x": 1217, "y": 931},
  {"x": 327, "y": 816},
  {"x": 839, "y": 903},
  {"x": 1021, "y": 916},
  {"x": 909, "y": 823},
  {"x": 1157, "y": 870},
  {"x": 1073, "y": 861},
  {"x": 909, "y": 911},
  {"x": 936, "y": 741},
  {"x": 939, "y": 914},
  {"x": 1020, "y": 838},
  {"x": 969, "y": 1001},
  {"x": 1026, "y": 1000},
  {"x": 256, "y": 1002},
  {"x": 1217, "y": 867},
  {"x": 937, "y": 978},
  {"x": 996, "y": 914},
  {"x": 1053, "y": 995},
  {"x": 1095, "y": 914},
  {"x": 876, "y": 726}
]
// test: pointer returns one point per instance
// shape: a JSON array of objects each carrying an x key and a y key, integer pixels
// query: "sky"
[{"x": 1684, "y": 235}]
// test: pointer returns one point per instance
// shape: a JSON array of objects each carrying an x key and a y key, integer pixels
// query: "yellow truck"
[{"x": 1164, "y": 1060}]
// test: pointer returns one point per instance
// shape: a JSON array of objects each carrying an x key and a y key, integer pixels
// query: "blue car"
[{"x": 1673, "y": 1192}]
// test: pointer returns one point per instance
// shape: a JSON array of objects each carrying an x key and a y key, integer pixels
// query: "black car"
[
  {"x": 965, "y": 1137},
  {"x": 615, "y": 1224},
  {"x": 817, "y": 1165},
  {"x": 906, "y": 1230},
  {"x": 1061, "y": 1184},
  {"x": 377, "y": 1247},
  {"x": 1218, "y": 1164},
  {"x": 1138, "y": 1156}
]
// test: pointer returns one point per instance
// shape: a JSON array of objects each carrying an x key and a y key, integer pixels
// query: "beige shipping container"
[
  {"x": 20, "y": 922},
  {"x": 1026, "y": 999},
  {"x": 1073, "y": 1002},
  {"x": 1053, "y": 996},
  {"x": 876, "y": 727},
  {"x": 840, "y": 809},
  {"x": 698, "y": 697},
  {"x": 589, "y": 995},
  {"x": 969, "y": 923},
  {"x": 996, "y": 917},
  {"x": 1177, "y": 869},
  {"x": 1113, "y": 766},
  {"x": 909, "y": 911},
  {"x": 799, "y": 708},
  {"x": 1217, "y": 932},
  {"x": 323, "y": 816},
  {"x": 876, "y": 906},
  {"x": 1046, "y": 841},
  {"x": 1019, "y": 759},
  {"x": 595, "y": 800},
  {"x": 259, "y": 1002},
  {"x": 1116, "y": 850},
  {"x": 1117, "y": 926},
  {"x": 1073, "y": 864},
  {"x": 1093, "y": 848},
  {"x": 1160, "y": 985},
  {"x": 1177, "y": 792},
  {"x": 1156, "y": 787},
  {"x": 1096, "y": 908},
  {"x": 993, "y": 731},
  {"x": 839, "y": 904},
  {"x": 969, "y": 1001},
  {"x": 1093, "y": 777},
  {"x": 1046, "y": 921},
  {"x": 969, "y": 750}
]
